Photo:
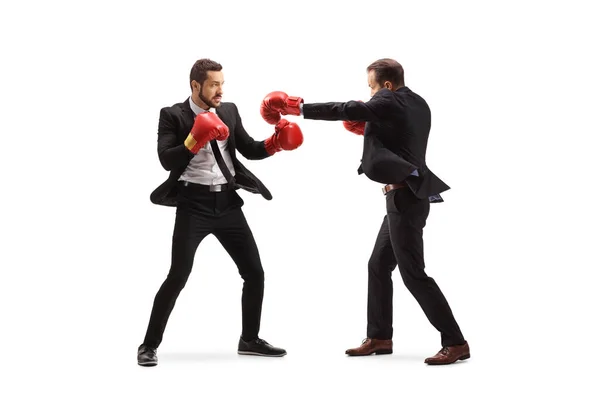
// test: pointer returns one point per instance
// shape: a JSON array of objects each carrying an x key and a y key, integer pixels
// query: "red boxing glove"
[
  {"x": 276, "y": 104},
  {"x": 207, "y": 126},
  {"x": 357, "y": 127},
  {"x": 287, "y": 136}
]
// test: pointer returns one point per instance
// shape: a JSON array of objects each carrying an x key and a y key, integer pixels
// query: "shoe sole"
[
  {"x": 377, "y": 353},
  {"x": 253, "y": 353},
  {"x": 147, "y": 364},
  {"x": 461, "y": 358}
]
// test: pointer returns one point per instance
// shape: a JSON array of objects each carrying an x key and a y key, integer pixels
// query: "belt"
[
  {"x": 392, "y": 186},
  {"x": 208, "y": 188}
]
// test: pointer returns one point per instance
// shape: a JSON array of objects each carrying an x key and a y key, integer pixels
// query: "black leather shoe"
[
  {"x": 259, "y": 347},
  {"x": 147, "y": 356}
]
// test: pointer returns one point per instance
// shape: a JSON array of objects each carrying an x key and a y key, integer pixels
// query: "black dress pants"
[
  {"x": 400, "y": 242},
  {"x": 200, "y": 213}
]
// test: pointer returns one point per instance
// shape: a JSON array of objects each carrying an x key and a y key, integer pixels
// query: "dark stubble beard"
[{"x": 205, "y": 100}]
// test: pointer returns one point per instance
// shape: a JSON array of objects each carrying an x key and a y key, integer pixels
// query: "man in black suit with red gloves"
[
  {"x": 395, "y": 123},
  {"x": 197, "y": 143}
]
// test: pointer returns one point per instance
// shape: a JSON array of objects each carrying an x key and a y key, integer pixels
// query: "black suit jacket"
[
  {"x": 395, "y": 138},
  {"x": 174, "y": 125}
]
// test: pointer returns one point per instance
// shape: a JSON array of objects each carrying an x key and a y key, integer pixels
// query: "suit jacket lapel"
[{"x": 187, "y": 115}]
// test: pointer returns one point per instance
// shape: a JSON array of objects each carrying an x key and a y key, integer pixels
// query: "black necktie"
[{"x": 221, "y": 161}]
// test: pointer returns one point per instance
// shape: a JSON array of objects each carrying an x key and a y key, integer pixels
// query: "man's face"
[
  {"x": 211, "y": 90},
  {"x": 375, "y": 87}
]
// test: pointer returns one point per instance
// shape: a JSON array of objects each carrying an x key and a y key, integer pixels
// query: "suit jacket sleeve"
[
  {"x": 378, "y": 108},
  {"x": 171, "y": 153},
  {"x": 245, "y": 144}
]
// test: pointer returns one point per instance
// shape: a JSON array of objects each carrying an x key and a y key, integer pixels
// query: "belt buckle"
[
  {"x": 392, "y": 186},
  {"x": 215, "y": 188}
]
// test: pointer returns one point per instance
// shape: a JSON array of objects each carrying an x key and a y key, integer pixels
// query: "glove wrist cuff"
[
  {"x": 192, "y": 144},
  {"x": 272, "y": 145},
  {"x": 292, "y": 105}
]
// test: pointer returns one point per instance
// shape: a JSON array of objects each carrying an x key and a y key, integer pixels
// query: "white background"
[{"x": 513, "y": 89}]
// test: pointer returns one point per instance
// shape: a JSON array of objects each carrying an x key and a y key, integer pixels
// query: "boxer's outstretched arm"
[
  {"x": 245, "y": 144},
  {"x": 378, "y": 108}
]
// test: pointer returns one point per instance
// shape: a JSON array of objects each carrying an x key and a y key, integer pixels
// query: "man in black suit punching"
[
  {"x": 197, "y": 143},
  {"x": 395, "y": 123}
]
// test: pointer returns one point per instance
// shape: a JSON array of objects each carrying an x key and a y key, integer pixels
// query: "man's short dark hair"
[
  {"x": 387, "y": 69},
  {"x": 200, "y": 69}
]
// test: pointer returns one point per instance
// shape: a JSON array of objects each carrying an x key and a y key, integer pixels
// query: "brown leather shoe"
[
  {"x": 371, "y": 346},
  {"x": 450, "y": 354}
]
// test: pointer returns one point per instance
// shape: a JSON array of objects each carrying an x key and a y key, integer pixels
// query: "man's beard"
[{"x": 206, "y": 101}]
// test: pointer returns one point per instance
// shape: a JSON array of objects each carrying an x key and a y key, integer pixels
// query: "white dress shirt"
[{"x": 203, "y": 168}]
